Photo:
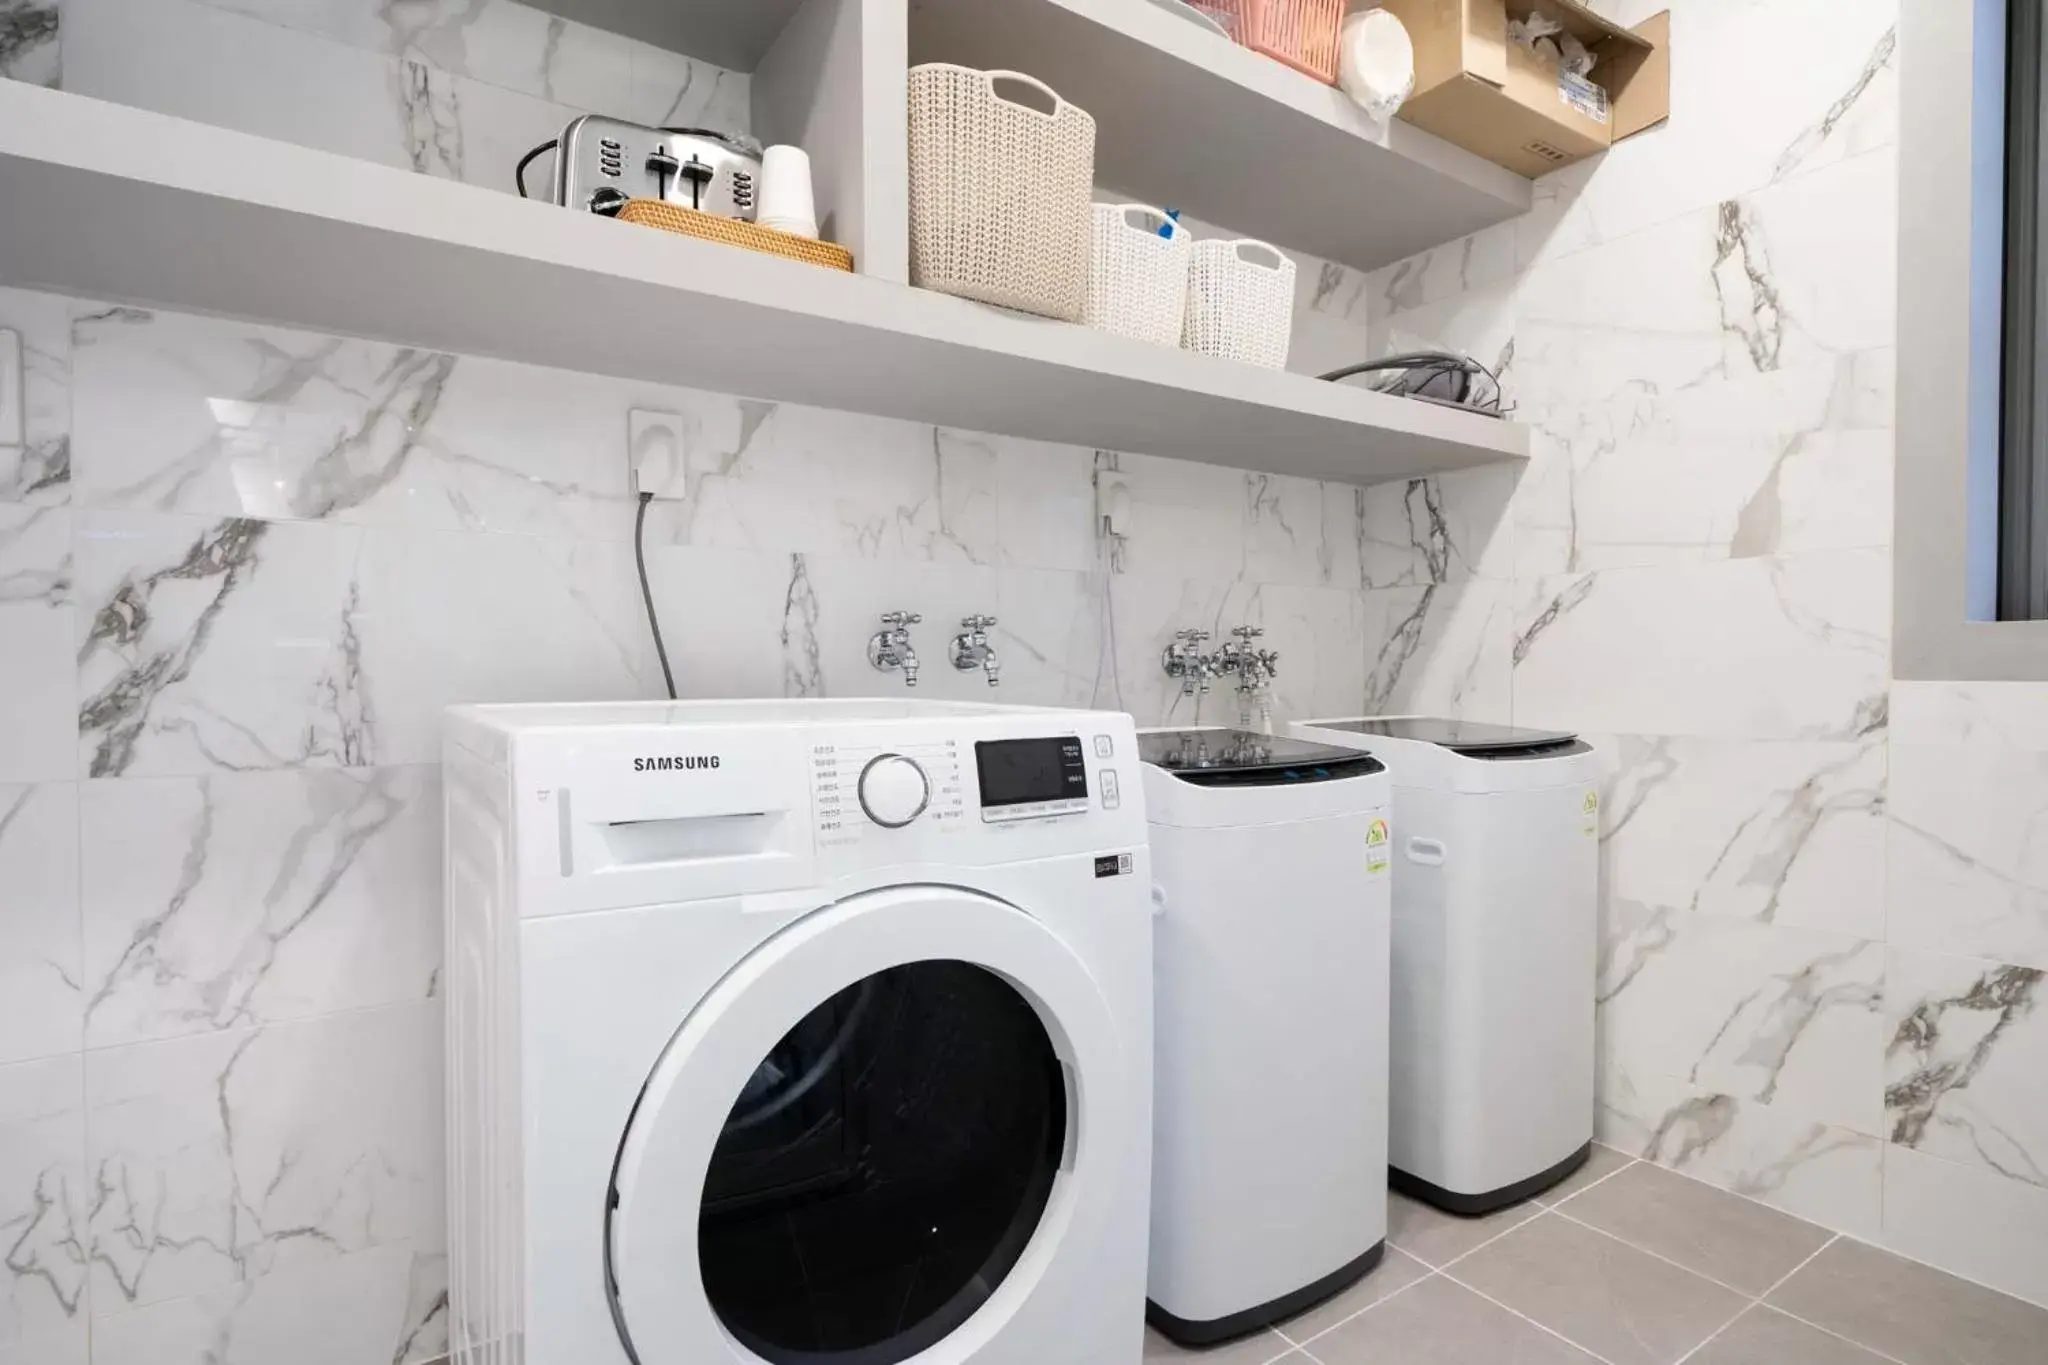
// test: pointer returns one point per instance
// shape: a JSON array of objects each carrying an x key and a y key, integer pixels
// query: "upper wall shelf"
[
  {"x": 1187, "y": 119},
  {"x": 110, "y": 202}
]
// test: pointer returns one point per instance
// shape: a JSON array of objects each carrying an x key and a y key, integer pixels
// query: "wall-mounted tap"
[
  {"x": 1254, "y": 668},
  {"x": 971, "y": 648},
  {"x": 1185, "y": 660},
  {"x": 889, "y": 648}
]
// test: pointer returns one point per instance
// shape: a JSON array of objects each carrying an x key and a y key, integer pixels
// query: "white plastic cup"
[{"x": 785, "y": 202}]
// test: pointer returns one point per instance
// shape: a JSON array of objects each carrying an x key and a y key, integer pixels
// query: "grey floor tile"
[
  {"x": 1764, "y": 1336},
  {"x": 1396, "y": 1270},
  {"x": 1722, "y": 1236},
  {"x": 1620, "y": 1303},
  {"x": 1437, "y": 1238},
  {"x": 1911, "y": 1312},
  {"x": 1441, "y": 1323},
  {"x": 1254, "y": 1350},
  {"x": 1600, "y": 1163}
]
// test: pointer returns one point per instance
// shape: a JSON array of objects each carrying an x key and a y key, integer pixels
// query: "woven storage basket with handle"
[
  {"x": 1137, "y": 279},
  {"x": 1240, "y": 302},
  {"x": 999, "y": 191}
]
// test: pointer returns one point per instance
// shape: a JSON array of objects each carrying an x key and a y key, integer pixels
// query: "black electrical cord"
[
  {"x": 519, "y": 174},
  {"x": 647, "y": 593},
  {"x": 1441, "y": 377},
  {"x": 1440, "y": 361}
]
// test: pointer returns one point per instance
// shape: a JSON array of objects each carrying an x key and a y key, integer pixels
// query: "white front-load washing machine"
[
  {"x": 795, "y": 1031},
  {"x": 1269, "y": 1188},
  {"x": 1496, "y": 883}
]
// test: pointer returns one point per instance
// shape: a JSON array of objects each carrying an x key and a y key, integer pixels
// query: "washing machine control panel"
[
  {"x": 857, "y": 786},
  {"x": 1031, "y": 779},
  {"x": 868, "y": 789}
]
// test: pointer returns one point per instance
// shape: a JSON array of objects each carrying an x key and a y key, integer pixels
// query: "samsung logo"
[{"x": 674, "y": 763}]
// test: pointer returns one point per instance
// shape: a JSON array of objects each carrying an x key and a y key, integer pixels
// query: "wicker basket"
[
  {"x": 999, "y": 191},
  {"x": 712, "y": 227},
  {"x": 1137, "y": 279},
  {"x": 1301, "y": 33},
  {"x": 1240, "y": 302}
]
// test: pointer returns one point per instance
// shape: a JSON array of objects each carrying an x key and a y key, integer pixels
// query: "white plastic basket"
[
  {"x": 999, "y": 191},
  {"x": 1138, "y": 279},
  {"x": 1240, "y": 302}
]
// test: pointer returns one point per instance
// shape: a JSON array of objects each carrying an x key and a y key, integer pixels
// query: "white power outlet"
[
  {"x": 657, "y": 460},
  {"x": 1112, "y": 508},
  {"x": 13, "y": 405}
]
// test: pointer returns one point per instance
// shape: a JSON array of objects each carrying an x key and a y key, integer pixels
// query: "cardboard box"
[{"x": 1498, "y": 99}]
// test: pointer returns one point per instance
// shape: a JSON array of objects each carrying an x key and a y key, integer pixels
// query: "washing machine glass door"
[{"x": 865, "y": 1139}]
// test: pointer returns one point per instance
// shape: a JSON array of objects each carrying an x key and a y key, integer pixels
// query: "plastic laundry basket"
[
  {"x": 1301, "y": 33},
  {"x": 1240, "y": 302},
  {"x": 1138, "y": 279},
  {"x": 999, "y": 190}
]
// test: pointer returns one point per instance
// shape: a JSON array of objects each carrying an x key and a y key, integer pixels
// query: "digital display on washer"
[{"x": 1031, "y": 772}]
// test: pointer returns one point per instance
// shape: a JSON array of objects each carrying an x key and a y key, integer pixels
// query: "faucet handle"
[
  {"x": 1247, "y": 633},
  {"x": 1191, "y": 636},
  {"x": 977, "y": 622},
  {"x": 900, "y": 619}
]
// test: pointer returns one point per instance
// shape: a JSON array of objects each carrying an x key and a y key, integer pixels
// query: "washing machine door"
[{"x": 890, "y": 1130}]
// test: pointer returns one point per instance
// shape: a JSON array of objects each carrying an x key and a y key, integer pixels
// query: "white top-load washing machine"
[
  {"x": 1269, "y": 1187},
  {"x": 1496, "y": 878},
  {"x": 796, "y": 1031}
]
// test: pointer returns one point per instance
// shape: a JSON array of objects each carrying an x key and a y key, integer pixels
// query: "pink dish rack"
[{"x": 1301, "y": 33}]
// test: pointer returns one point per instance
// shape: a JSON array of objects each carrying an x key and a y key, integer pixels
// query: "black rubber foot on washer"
[
  {"x": 1473, "y": 1205},
  {"x": 1215, "y": 1331}
]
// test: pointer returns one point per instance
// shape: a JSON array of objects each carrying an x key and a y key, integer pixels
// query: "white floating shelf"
[
  {"x": 114, "y": 203},
  {"x": 1187, "y": 119}
]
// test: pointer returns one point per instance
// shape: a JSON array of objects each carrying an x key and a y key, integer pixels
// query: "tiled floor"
[{"x": 1628, "y": 1264}]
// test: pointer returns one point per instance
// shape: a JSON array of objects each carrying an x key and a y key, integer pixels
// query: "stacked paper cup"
[{"x": 786, "y": 203}]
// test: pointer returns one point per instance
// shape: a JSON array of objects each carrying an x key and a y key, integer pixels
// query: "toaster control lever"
[
  {"x": 663, "y": 165},
  {"x": 699, "y": 173}
]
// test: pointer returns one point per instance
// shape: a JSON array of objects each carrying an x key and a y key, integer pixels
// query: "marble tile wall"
[
  {"x": 453, "y": 88},
  {"x": 242, "y": 569},
  {"x": 1825, "y": 893}
]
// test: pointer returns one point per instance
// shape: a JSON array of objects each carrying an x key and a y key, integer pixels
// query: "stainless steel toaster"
[{"x": 601, "y": 162}]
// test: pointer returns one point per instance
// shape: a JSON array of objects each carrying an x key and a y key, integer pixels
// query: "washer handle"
[{"x": 1428, "y": 852}]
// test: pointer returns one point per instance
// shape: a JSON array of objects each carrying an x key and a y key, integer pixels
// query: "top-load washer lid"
[
  {"x": 1470, "y": 738},
  {"x": 1240, "y": 758}
]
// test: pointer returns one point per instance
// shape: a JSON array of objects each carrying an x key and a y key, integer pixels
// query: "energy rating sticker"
[{"x": 1377, "y": 839}]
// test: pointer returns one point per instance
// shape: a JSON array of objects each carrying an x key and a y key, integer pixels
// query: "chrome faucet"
[
  {"x": 1254, "y": 668},
  {"x": 971, "y": 648},
  {"x": 1184, "y": 659},
  {"x": 889, "y": 648}
]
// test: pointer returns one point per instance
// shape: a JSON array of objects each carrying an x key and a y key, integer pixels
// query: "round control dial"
[{"x": 894, "y": 790}]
